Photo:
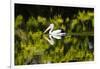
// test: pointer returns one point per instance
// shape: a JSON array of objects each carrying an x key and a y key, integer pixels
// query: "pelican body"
[{"x": 56, "y": 33}]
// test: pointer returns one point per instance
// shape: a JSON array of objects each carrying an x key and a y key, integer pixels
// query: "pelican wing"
[
  {"x": 56, "y": 32},
  {"x": 61, "y": 34}
]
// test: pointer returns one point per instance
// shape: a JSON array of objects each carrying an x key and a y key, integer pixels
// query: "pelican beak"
[{"x": 46, "y": 29}]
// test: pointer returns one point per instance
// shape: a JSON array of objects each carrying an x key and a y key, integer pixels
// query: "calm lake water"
[
  {"x": 33, "y": 46},
  {"x": 71, "y": 48}
]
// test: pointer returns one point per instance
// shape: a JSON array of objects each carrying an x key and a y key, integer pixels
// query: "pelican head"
[{"x": 51, "y": 26}]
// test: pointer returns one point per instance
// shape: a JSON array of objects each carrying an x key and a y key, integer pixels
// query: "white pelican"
[{"x": 56, "y": 33}]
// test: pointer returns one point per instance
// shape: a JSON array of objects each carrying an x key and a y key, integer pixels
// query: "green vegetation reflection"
[{"x": 32, "y": 48}]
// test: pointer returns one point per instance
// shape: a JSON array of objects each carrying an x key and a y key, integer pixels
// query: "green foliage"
[
  {"x": 41, "y": 20},
  {"x": 32, "y": 48},
  {"x": 18, "y": 20},
  {"x": 57, "y": 20}
]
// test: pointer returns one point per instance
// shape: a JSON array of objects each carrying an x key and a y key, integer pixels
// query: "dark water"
[
  {"x": 71, "y": 48},
  {"x": 32, "y": 46}
]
